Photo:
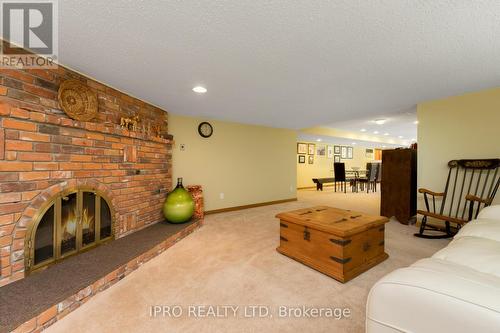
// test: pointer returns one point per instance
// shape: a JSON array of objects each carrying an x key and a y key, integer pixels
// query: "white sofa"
[{"x": 456, "y": 290}]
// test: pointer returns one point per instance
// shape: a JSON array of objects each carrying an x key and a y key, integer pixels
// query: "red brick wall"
[{"x": 42, "y": 152}]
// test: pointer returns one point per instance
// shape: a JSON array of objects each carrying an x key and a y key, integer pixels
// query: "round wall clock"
[{"x": 205, "y": 129}]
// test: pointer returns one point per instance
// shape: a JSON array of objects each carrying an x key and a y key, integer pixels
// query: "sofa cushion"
[
  {"x": 478, "y": 253},
  {"x": 483, "y": 228},
  {"x": 491, "y": 212},
  {"x": 460, "y": 273},
  {"x": 434, "y": 295},
  {"x": 451, "y": 279}
]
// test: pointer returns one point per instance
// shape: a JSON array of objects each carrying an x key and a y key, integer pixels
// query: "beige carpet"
[{"x": 232, "y": 261}]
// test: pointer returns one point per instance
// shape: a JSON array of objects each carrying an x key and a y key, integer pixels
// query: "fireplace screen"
[{"x": 72, "y": 222}]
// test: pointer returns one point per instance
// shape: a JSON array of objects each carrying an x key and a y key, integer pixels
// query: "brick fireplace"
[{"x": 46, "y": 156}]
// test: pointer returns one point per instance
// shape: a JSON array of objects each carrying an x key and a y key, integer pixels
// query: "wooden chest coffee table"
[{"x": 339, "y": 243}]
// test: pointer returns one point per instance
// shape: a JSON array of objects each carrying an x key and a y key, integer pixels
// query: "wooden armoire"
[{"x": 399, "y": 184}]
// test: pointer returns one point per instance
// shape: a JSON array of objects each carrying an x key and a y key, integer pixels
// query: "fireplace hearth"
[{"x": 61, "y": 289}]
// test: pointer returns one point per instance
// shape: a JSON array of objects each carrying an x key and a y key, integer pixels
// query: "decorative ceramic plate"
[{"x": 77, "y": 100}]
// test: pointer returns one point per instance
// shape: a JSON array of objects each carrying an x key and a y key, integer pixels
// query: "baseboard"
[{"x": 231, "y": 209}]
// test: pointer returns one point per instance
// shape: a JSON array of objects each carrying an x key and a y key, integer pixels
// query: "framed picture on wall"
[
  {"x": 343, "y": 152},
  {"x": 336, "y": 150},
  {"x": 302, "y": 159},
  {"x": 301, "y": 148},
  {"x": 369, "y": 153},
  {"x": 311, "y": 159},
  {"x": 336, "y": 159},
  {"x": 350, "y": 153},
  {"x": 321, "y": 150},
  {"x": 329, "y": 151},
  {"x": 310, "y": 148}
]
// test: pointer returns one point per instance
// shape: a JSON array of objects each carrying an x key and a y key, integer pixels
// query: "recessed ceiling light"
[
  {"x": 386, "y": 134},
  {"x": 400, "y": 136},
  {"x": 380, "y": 121},
  {"x": 383, "y": 146},
  {"x": 363, "y": 130},
  {"x": 354, "y": 143},
  {"x": 376, "y": 132},
  {"x": 415, "y": 122},
  {"x": 319, "y": 140},
  {"x": 200, "y": 89}
]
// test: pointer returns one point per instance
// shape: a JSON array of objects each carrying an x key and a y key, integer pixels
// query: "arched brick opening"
[{"x": 21, "y": 236}]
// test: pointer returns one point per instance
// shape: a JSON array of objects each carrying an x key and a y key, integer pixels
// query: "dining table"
[{"x": 355, "y": 174}]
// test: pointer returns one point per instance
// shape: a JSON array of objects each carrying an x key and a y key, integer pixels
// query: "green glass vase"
[{"x": 179, "y": 206}]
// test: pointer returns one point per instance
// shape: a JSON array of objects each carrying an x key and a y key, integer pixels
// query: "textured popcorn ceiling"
[
  {"x": 400, "y": 126},
  {"x": 284, "y": 63}
]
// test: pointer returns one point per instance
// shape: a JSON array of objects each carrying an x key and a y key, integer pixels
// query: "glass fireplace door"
[
  {"x": 88, "y": 218},
  {"x": 69, "y": 223},
  {"x": 74, "y": 221},
  {"x": 77, "y": 226},
  {"x": 44, "y": 238}
]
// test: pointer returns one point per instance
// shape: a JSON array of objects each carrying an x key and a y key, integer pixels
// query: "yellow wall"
[
  {"x": 323, "y": 166},
  {"x": 249, "y": 164},
  {"x": 466, "y": 126}
]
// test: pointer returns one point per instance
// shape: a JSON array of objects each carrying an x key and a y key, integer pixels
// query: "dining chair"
[
  {"x": 372, "y": 174},
  {"x": 340, "y": 176},
  {"x": 379, "y": 176}
]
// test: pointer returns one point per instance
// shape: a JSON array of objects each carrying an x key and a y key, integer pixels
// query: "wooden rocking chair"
[{"x": 471, "y": 185}]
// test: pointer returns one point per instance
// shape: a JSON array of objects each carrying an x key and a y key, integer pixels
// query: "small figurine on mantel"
[
  {"x": 156, "y": 130},
  {"x": 130, "y": 123}
]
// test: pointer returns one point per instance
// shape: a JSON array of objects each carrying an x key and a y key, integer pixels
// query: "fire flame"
[
  {"x": 87, "y": 221},
  {"x": 69, "y": 225}
]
